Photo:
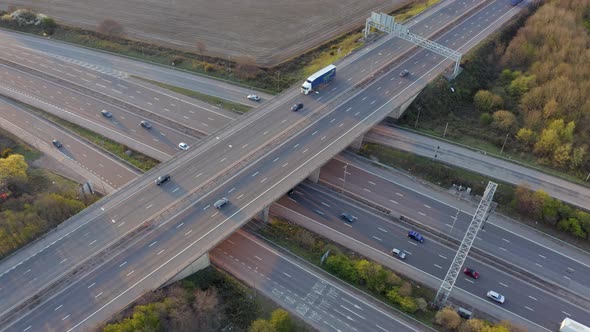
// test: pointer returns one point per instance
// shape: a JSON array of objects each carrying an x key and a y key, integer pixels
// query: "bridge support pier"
[
  {"x": 357, "y": 144},
  {"x": 264, "y": 214},
  {"x": 196, "y": 266},
  {"x": 315, "y": 175},
  {"x": 397, "y": 112}
]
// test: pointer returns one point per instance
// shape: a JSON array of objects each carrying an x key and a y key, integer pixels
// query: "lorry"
[
  {"x": 318, "y": 79},
  {"x": 570, "y": 325}
]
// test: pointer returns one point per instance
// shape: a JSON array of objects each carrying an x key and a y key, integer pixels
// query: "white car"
[
  {"x": 496, "y": 297},
  {"x": 183, "y": 146},
  {"x": 399, "y": 253},
  {"x": 254, "y": 97}
]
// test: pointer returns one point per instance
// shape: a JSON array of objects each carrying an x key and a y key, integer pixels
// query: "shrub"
[{"x": 447, "y": 318}]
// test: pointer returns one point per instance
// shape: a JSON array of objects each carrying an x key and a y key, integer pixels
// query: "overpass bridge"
[{"x": 143, "y": 235}]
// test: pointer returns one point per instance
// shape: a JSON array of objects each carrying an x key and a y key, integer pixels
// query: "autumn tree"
[
  {"x": 487, "y": 101},
  {"x": 447, "y": 318},
  {"x": 504, "y": 120},
  {"x": 13, "y": 166},
  {"x": 525, "y": 136},
  {"x": 111, "y": 28},
  {"x": 201, "y": 49},
  {"x": 281, "y": 321}
]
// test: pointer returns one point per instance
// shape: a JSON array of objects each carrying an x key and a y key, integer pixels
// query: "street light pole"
[
  {"x": 278, "y": 79},
  {"x": 504, "y": 144},
  {"x": 417, "y": 117}
]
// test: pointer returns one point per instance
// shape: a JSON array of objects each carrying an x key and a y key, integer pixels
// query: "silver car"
[
  {"x": 399, "y": 253},
  {"x": 496, "y": 296}
]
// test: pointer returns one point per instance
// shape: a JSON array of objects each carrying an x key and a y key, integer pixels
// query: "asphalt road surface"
[
  {"x": 117, "y": 66},
  {"x": 482, "y": 163},
  {"x": 159, "y": 142},
  {"x": 383, "y": 234},
  {"x": 270, "y": 272},
  {"x": 302, "y": 289},
  {"x": 238, "y": 164},
  {"x": 114, "y": 172},
  {"x": 506, "y": 245}
]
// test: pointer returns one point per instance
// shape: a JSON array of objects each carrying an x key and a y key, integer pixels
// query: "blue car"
[{"x": 416, "y": 236}]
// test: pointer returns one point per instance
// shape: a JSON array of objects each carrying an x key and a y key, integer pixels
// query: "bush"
[{"x": 448, "y": 318}]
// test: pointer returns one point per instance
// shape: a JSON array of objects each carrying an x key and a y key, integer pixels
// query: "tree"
[
  {"x": 522, "y": 200},
  {"x": 526, "y": 136},
  {"x": 485, "y": 119},
  {"x": 260, "y": 325},
  {"x": 520, "y": 85},
  {"x": 448, "y": 318},
  {"x": 551, "y": 109},
  {"x": 110, "y": 28},
  {"x": 486, "y": 101},
  {"x": 539, "y": 201},
  {"x": 201, "y": 48},
  {"x": 562, "y": 155},
  {"x": 547, "y": 142},
  {"x": 405, "y": 289},
  {"x": 281, "y": 321},
  {"x": 246, "y": 67},
  {"x": 408, "y": 304},
  {"x": 13, "y": 166},
  {"x": 504, "y": 120},
  {"x": 342, "y": 266}
]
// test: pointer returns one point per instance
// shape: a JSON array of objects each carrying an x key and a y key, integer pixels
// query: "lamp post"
[
  {"x": 344, "y": 178},
  {"x": 278, "y": 79},
  {"x": 417, "y": 117},
  {"x": 504, "y": 144}
]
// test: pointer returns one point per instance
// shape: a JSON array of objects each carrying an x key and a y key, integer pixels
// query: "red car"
[{"x": 472, "y": 273}]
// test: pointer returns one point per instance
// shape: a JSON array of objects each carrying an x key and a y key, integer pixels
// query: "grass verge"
[
  {"x": 219, "y": 102},
  {"x": 413, "y": 9}
]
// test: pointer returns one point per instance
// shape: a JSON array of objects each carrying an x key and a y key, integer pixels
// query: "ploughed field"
[{"x": 269, "y": 31}]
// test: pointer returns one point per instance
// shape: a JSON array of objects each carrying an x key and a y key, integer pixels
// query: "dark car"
[
  {"x": 162, "y": 178},
  {"x": 296, "y": 107},
  {"x": 145, "y": 124},
  {"x": 404, "y": 73},
  {"x": 416, "y": 236},
  {"x": 57, "y": 143},
  {"x": 291, "y": 192},
  {"x": 106, "y": 114},
  {"x": 348, "y": 217},
  {"x": 471, "y": 272}
]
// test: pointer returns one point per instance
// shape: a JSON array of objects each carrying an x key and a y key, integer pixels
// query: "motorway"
[
  {"x": 507, "y": 246},
  {"x": 250, "y": 184},
  {"x": 319, "y": 300},
  {"x": 272, "y": 273},
  {"x": 84, "y": 154},
  {"x": 384, "y": 233},
  {"x": 116, "y": 65},
  {"x": 483, "y": 163}
]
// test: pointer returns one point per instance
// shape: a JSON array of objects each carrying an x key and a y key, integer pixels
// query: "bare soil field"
[{"x": 269, "y": 31}]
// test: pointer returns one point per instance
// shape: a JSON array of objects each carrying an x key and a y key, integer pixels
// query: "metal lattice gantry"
[
  {"x": 386, "y": 23},
  {"x": 479, "y": 218}
]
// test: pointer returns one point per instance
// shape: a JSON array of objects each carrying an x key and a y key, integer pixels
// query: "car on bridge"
[
  {"x": 106, "y": 114},
  {"x": 183, "y": 146},
  {"x": 162, "y": 179},
  {"x": 220, "y": 203},
  {"x": 296, "y": 107},
  {"x": 57, "y": 143}
]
